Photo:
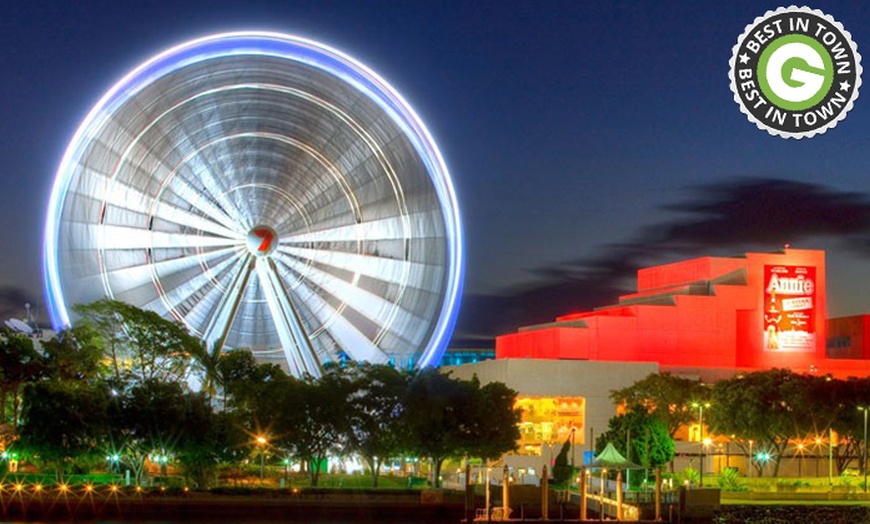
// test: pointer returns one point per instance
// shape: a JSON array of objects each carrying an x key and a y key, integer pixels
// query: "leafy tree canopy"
[
  {"x": 666, "y": 396},
  {"x": 646, "y": 434}
]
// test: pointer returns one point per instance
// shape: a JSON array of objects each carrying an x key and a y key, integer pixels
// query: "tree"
[
  {"x": 20, "y": 363},
  {"x": 63, "y": 421},
  {"x": 151, "y": 346},
  {"x": 206, "y": 439},
  {"x": 446, "y": 417},
  {"x": 838, "y": 402},
  {"x": 313, "y": 419},
  {"x": 646, "y": 434},
  {"x": 74, "y": 356},
  {"x": 435, "y": 418},
  {"x": 102, "y": 317},
  {"x": 375, "y": 408},
  {"x": 665, "y": 396},
  {"x": 764, "y": 407},
  {"x": 246, "y": 383},
  {"x": 562, "y": 471},
  {"x": 205, "y": 365},
  {"x": 146, "y": 418},
  {"x": 493, "y": 423}
]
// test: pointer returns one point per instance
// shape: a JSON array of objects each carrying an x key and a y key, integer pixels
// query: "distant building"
[
  {"x": 459, "y": 356},
  {"x": 707, "y": 318}
]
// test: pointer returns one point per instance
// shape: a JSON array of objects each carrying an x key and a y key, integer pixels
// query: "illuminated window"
[{"x": 549, "y": 420}]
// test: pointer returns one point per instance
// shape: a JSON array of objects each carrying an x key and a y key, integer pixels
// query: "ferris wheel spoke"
[
  {"x": 391, "y": 228},
  {"x": 122, "y": 195},
  {"x": 110, "y": 237},
  {"x": 198, "y": 184},
  {"x": 297, "y": 347},
  {"x": 218, "y": 209},
  {"x": 198, "y": 222},
  {"x": 170, "y": 299},
  {"x": 378, "y": 310},
  {"x": 132, "y": 277},
  {"x": 395, "y": 271},
  {"x": 218, "y": 327},
  {"x": 351, "y": 340}
]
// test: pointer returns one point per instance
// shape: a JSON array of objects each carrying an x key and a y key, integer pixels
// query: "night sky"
[{"x": 585, "y": 139}]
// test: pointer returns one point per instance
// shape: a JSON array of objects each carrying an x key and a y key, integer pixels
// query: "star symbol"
[
  {"x": 744, "y": 58},
  {"x": 845, "y": 85}
]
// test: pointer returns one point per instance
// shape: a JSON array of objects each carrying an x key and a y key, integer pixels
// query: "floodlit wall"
[
  {"x": 759, "y": 311},
  {"x": 552, "y": 378}
]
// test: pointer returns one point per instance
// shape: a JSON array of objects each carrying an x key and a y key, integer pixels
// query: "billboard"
[{"x": 789, "y": 308}]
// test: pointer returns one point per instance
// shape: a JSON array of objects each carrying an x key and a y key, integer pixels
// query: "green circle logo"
[{"x": 795, "y": 72}]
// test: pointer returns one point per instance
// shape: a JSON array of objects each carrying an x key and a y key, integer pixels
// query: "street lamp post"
[
  {"x": 700, "y": 406},
  {"x": 800, "y": 448},
  {"x": 749, "y": 471},
  {"x": 261, "y": 444}
]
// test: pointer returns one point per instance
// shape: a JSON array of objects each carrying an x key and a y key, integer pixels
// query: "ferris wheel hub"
[{"x": 262, "y": 241}]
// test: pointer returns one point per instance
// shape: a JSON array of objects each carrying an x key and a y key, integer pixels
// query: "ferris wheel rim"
[{"x": 294, "y": 48}]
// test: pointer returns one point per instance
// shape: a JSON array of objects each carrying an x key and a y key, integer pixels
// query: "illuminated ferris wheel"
[{"x": 269, "y": 192}]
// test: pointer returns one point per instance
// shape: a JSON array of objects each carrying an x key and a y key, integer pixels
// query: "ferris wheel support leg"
[
  {"x": 215, "y": 334},
  {"x": 297, "y": 347}
]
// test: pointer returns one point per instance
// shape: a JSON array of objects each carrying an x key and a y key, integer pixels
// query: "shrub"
[
  {"x": 846, "y": 481},
  {"x": 689, "y": 474},
  {"x": 729, "y": 480}
]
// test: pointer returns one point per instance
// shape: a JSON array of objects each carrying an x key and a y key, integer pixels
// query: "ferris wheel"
[{"x": 272, "y": 194}]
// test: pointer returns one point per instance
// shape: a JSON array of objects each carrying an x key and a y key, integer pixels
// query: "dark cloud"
[{"x": 727, "y": 218}]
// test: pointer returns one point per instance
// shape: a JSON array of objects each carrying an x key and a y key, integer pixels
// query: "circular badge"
[{"x": 795, "y": 72}]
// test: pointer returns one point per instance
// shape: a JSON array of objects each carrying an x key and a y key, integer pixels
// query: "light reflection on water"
[{"x": 358, "y": 521}]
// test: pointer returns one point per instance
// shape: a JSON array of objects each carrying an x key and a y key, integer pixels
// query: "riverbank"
[{"x": 388, "y": 506}]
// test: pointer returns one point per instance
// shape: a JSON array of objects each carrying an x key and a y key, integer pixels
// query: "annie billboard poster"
[{"x": 789, "y": 308}]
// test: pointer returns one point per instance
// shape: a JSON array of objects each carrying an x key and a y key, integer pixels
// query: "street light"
[
  {"x": 113, "y": 460},
  {"x": 865, "y": 409},
  {"x": 261, "y": 444},
  {"x": 700, "y": 407},
  {"x": 762, "y": 457}
]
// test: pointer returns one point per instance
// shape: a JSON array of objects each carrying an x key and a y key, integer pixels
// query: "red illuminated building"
[{"x": 712, "y": 315}]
